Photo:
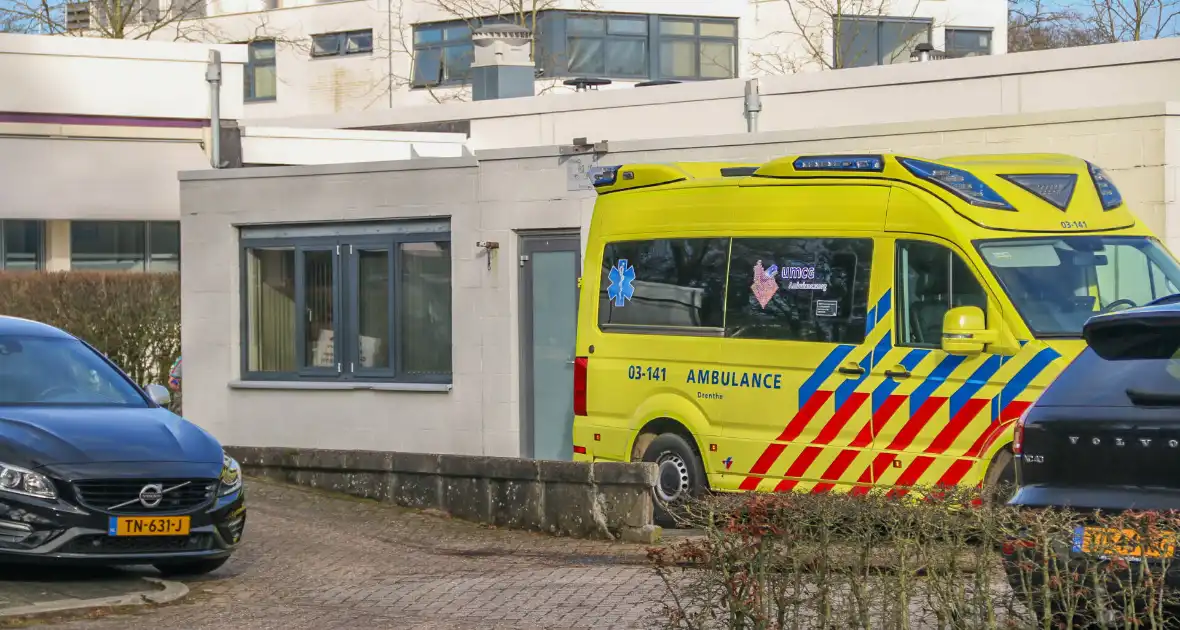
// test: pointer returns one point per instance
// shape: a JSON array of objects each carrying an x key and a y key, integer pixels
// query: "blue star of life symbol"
[{"x": 621, "y": 278}]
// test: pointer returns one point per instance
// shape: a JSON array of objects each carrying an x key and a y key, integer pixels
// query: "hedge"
[
  {"x": 827, "y": 561},
  {"x": 133, "y": 318}
]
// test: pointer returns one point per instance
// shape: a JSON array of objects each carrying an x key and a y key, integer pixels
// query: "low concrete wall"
[{"x": 601, "y": 500}]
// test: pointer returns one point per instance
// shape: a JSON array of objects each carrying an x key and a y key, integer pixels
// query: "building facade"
[{"x": 311, "y": 58}]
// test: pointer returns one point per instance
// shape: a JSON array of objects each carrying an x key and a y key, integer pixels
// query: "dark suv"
[{"x": 1101, "y": 446}]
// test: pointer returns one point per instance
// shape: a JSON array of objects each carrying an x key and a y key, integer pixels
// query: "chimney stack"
[{"x": 502, "y": 67}]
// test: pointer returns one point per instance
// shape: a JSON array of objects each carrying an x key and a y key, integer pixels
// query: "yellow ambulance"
[{"x": 834, "y": 323}]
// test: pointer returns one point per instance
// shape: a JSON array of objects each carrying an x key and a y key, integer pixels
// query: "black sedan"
[{"x": 96, "y": 470}]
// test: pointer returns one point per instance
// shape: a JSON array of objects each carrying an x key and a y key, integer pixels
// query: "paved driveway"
[{"x": 318, "y": 562}]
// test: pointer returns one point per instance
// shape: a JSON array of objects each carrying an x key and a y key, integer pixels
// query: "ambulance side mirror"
[{"x": 965, "y": 331}]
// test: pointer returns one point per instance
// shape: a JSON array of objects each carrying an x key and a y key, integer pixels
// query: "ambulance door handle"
[
  {"x": 851, "y": 369},
  {"x": 897, "y": 372}
]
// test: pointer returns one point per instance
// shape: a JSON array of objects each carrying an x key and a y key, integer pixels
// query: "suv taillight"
[
  {"x": 1018, "y": 432},
  {"x": 580, "y": 365}
]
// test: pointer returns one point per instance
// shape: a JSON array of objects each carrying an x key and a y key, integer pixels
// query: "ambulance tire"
[
  {"x": 1000, "y": 483},
  {"x": 680, "y": 477}
]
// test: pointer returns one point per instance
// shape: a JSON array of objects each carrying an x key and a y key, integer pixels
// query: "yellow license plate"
[
  {"x": 1123, "y": 543},
  {"x": 149, "y": 526}
]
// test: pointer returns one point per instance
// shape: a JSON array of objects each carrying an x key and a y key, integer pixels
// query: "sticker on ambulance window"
[
  {"x": 827, "y": 308},
  {"x": 765, "y": 286}
]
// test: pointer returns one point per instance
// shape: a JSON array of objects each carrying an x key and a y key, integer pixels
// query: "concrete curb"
[{"x": 171, "y": 592}]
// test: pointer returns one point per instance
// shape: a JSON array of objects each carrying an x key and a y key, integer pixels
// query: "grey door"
[{"x": 549, "y": 267}]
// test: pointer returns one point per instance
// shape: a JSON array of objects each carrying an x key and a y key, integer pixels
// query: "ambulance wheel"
[{"x": 680, "y": 477}]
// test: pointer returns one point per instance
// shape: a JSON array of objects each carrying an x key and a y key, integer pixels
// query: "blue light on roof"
[
  {"x": 604, "y": 175},
  {"x": 966, "y": 186},
  {"x": 870, "y": 163},
  {"x": 1107, "y": 191}
]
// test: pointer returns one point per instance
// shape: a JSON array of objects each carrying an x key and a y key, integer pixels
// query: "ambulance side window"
[
  {"x": 931, "y": 279},
  {"x": 672, "y": 283},
  {"x": 799, "y": 289}
]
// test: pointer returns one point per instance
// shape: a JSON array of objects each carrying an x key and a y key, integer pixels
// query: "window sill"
[{"x": 327, "y": 386}]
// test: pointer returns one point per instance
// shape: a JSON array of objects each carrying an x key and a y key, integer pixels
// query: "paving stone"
[{"x": 316, "y": 562}]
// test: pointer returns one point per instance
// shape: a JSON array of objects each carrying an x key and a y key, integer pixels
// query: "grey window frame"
[
  {"x": 658, "y": 39},
  {"x": 342, "y": 38},
  {"x": 252, "y": 63},
  {"x": 552, "y": 41},
  {"x": 429, "y": 49},
  {"x": 39, "y": 263},
  {"x": 955, "y": 54},
  {"x": 145, "y": 228},
  {"x": 876, "y": 21},
  {"x": 607, "y": 38},
  {"x": 345, "y": 302}
]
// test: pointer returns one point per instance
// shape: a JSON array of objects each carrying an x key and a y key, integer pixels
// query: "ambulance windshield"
[{"x": 1057, "y": 283}]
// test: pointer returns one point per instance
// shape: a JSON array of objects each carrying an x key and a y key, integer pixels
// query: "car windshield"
[
  {"x": 59, "y": 371},
  {"x": 1058, "y": 283}
]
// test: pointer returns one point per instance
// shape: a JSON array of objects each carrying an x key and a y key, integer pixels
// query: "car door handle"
[
  {"x": 897, "y": 372},
  {"x": 851, "y": 369}
]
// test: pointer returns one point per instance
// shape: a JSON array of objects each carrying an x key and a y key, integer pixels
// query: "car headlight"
[
  {"x": 18, "y": 480},
  {"x": 231, "y": 475}
]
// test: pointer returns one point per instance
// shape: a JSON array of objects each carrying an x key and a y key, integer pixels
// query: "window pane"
[
  {"x": 359, "y": 42},
  {"x": 586, "y": 56},
  {"x": 373, "y": 308},
  {"x": 265, "y": 82},
  {"x": 457, "y": 33},
  {"x": 428, "y": 67},
  {"x": 270, "y": 310},
  {"x": 678, "y": 59},
  {"x": 933, "y": 279},
  {"x": 583, "y": 25},
  {"x": 23, "y": 244},
  {"x": 424, "y": 302},
  {"x": 666, "y": 282},
  {"x": 678, "y": 27},
  {"x": 626, "y": 57},
  {"x": 718, "y": 29},
  {"x": 319, "y": 292},
  {"x": 628, "y": 26},
  {"x": 968, "y": 42},
  {"x": 717, "y": 60},
  {"x": 164, "y": 241},
  {"x": 857, "y": 41},
  {"x": 262, "y": 50},
  {"x": 428, "y": 35},
  {"x": 325, "y": 45},
  {"x": 799, "y": 289},
  {"x": 457, "y": 62},
  {"x": 107, "y": 245},
  {"x": 898, "y": 40}
]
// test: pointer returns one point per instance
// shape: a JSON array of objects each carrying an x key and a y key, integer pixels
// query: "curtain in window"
[
  {"x": 425, "y": 305},
  {"x": 271, "y": 310},
  {"x": 585, "y": 55}
]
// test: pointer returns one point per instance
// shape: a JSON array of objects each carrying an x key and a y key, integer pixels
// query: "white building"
[
  {"x": 93, "y": 132},
  {"x": 309, "y": 57}
]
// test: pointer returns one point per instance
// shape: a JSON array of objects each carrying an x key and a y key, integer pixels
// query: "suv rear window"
[{"x": 1132, "y": 363}]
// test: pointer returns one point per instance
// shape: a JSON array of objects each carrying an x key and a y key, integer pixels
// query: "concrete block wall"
[{"x": 601, "y": 500}]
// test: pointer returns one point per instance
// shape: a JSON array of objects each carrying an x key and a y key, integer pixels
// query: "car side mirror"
[
  {"x": 965, "y": 331},
  {"x": 159, "y": 394}
]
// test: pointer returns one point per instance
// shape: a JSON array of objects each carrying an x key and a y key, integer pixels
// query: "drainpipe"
[
  {"x": 213, "y": 76},
  {"x": 753, "y": 105}
]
